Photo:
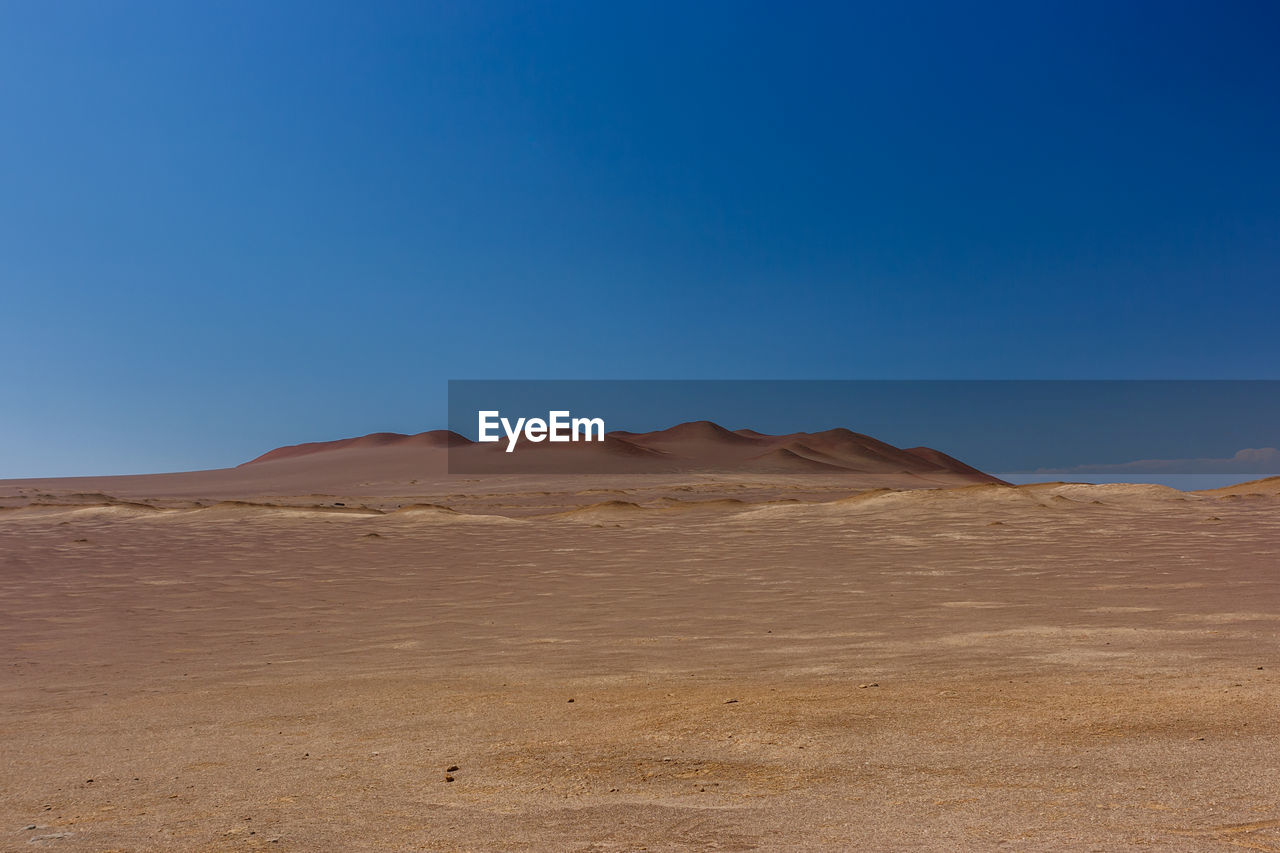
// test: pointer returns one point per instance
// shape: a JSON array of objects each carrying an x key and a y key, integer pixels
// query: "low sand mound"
[
  {"x": 429, "y": 513},
  {"x": 423, "y": 509},
  {"x": 605, "y": 511},
  {"x": 962, "y": 497},
  {"x": 984, "y": 498},
  {"x": 716, "y": 504},
  {"x": 975, "y": 498},
  {"x": 1266, "y": 487},
  {"x": 95, "y": 498},
  {"x": 1110, "y": 493},
  {"x": 112, "y": 509},
  {"x": 249, "y": 510}
]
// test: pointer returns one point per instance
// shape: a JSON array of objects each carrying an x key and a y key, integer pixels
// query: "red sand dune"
[
  {"x": 395, "y": 464},
  {"x": 691, "y": 432},
  {"x": 433, "y": 438},
  {"x": 942, "y": 459},
  {"x": 696, "y": 446}
]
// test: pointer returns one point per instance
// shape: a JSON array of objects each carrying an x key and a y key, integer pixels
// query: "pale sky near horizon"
[{"x": 227, "y": 227}]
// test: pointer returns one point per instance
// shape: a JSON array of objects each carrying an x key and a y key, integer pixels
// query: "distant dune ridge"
[
  {"x": 696, "y": 446},
  {"x": 434, "y": 438},
  {"x": 699, "y": 459},
  {"x": 427, "y": 464}
]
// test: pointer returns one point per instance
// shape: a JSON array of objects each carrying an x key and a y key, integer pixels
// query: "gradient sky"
[{"x": 229, "y": 226}]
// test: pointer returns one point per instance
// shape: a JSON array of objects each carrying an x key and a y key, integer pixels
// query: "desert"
[
  {"x": 345, "y": 647},
  {"x": 590, "y": 427}
]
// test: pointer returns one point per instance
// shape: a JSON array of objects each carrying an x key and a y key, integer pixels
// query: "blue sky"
[{"x": 225, "y": 227}]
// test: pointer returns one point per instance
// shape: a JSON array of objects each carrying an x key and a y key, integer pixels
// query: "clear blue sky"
[{"x": 228, "y": 226}]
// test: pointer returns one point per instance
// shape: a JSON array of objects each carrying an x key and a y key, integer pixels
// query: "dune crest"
[{"x": 442, "y": 438}]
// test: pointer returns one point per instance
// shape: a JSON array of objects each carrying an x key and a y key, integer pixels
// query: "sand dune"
[
  {"x": 391, "y": 464},
  {"x": 942, "y": 460},
  {"x": 708, "y": 446},
  {"x": 106, "y": 509},
  {"x": 792, "y": 459},
  {"x": 692, "y": 434},
  {"x": 684, "y": 448},
  {"x": 604, "y": 511},
  {"x": 433, "y": 438},
  {"x": 1264, "y": 487},
  {"x": 1115, "y": 492},
  {"x": 251, "y": 509},
  {"x": 424, "y": 509}
]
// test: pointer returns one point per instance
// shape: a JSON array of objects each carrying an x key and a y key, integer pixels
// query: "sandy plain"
[{"x": 636, "y": 663}]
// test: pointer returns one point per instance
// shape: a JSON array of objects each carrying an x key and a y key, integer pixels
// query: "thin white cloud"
[{"x": 1264, "y": 461}]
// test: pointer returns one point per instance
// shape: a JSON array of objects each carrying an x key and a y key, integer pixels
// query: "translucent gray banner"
[{"x": 1092, "y": 431}]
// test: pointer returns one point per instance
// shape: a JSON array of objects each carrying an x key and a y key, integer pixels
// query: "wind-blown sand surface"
[{"x": 635, "y": 663}]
